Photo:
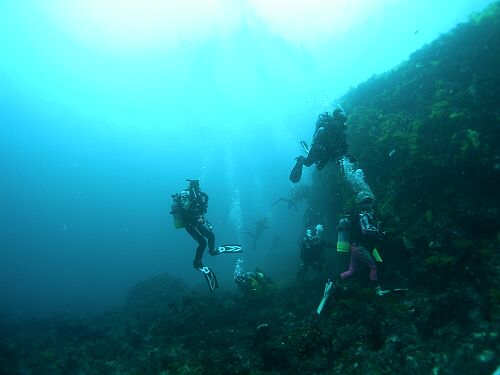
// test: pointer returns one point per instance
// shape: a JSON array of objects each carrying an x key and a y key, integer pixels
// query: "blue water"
[{"x": 95, "y": 137}]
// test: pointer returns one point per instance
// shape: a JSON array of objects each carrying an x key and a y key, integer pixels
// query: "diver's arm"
[
  {"x": 204, "y": 202},
  {"x": 367, "y": 226}
]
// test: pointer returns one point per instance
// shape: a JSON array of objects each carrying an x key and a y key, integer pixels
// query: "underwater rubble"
[
  {"x": 358, "y": 332},
  {"x": 426, "y": 135}
]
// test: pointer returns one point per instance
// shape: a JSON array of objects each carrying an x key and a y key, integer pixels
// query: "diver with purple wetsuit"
[{"x": 364, "y": 234}]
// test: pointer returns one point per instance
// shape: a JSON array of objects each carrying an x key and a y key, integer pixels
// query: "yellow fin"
[{"x": 376, "y": 255}]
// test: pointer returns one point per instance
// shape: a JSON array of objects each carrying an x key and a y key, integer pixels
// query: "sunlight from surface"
[
  {"x": 312, "y": 22},
  {"x": 137, "y": 25},
  {"x": 130, "y": 25}
]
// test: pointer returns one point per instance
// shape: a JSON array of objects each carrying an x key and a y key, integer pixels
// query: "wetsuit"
[
  {"x": 194, "y": 204},
  {"x": 254, "y": 284},
  {"x": 364, "y": 234},
  {"x": 329, "y": 142},
  {"x": 312, "y": 254}
]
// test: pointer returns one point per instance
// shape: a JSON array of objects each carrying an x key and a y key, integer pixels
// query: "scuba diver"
[
  {"x": 188, "y": 209},
  {"x": 252, "y": 284},
  {"x": 260, "y": 227},
  {"x": 329, "y": 143},
  {"x": 297, "y": 195},
  {"x": 359, "y": 234},
  {"x": 312, "y": 252}
]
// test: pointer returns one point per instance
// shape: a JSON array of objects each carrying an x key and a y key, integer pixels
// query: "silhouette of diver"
[
  {"x": 260, "y": 227},
  {"x": 297, "y": 195}
]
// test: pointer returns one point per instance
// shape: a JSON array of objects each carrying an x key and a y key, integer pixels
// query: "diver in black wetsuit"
[
  {"x": 312, "y": 252},
  {"x": 329, "y": 143},
  {"x": 189, "y": 208},
  {"x": 260, "y": 226},
  {"x": 193, "y": 207}
]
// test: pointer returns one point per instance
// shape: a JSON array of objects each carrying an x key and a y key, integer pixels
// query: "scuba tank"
[
  {"x": 344, "y": 235},
  {"x": 175, "y": 210}
]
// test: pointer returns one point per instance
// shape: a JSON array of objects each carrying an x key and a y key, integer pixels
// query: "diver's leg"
[
  {"x": 202, "y": 244},
  {"x": 366, "y": 258},
  {"x": 302, "y": 272},
  {"x": 311, "y": 157},
  {"x": 210, "y": 236},
  {"x": 317, "y": 266},
  {"x": 353, "y": 266}
]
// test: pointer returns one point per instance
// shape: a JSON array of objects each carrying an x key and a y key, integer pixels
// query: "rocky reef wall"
[{"x": 427, "y": 134}]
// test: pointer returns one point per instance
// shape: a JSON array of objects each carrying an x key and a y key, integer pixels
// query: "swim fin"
[
  {"x": 380, "y": 292},
  {"x": 228, "y": 249},
  {"x": 209, "y": 277},
  {"x": 326, "y": 294},
  {"x": 296, "y": 172}
]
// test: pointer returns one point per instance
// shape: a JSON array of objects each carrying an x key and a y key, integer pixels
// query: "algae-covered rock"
[{"x": 155, "y": 294}]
